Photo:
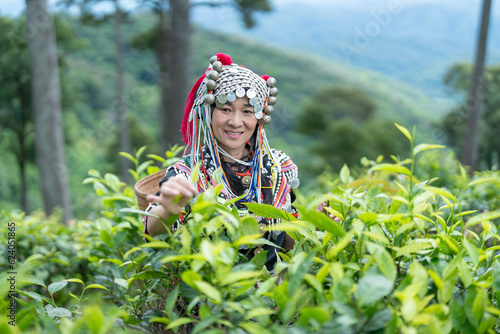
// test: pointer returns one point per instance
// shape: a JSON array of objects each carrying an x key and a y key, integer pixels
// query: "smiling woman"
[{"x": 227, "y": 110}]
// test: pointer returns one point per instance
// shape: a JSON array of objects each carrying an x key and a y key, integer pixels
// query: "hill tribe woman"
[{"x": 227, "y": 109}]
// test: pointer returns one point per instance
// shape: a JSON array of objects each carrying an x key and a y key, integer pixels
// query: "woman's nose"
[{"x": 235, "y": 119}]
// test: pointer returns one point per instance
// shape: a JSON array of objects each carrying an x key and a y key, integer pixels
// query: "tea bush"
[{"x": 408, "y": 255}]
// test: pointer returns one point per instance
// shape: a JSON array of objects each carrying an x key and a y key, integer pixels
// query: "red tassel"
[
  {"x": 224, "y": 59},
  {"x": 265, "y": 77},
  {"x": 187, "y": 129}
]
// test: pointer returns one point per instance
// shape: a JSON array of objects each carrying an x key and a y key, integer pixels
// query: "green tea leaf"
[
  {"x": 424, "y": 147},
  {"x": 54, "y": 287},
  {"x": 404, "y": 131},
  {"x": 373, "y": 287},
  {"x": 209, "y": 290},
  {"x": 129, "y": 157},
  {"x": 95, "y": 286},
  {"x": 392, "y": 168},
  {"x": 344, "y": 174},
  {"x": 384, "y": 260},
  {"x": 179, "y": 322},
  {"x": 59, "y": 312},
  {"x": 74, "y": 280},
  {"x": 483, "y": 217}
]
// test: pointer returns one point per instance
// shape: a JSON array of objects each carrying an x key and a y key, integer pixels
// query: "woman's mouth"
[{"x": 232, "y": 134}]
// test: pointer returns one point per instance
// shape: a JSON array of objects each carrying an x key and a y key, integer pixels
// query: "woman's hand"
[
  {"x": 321, "y": 208},
  {"x": 175, "y": 194}
]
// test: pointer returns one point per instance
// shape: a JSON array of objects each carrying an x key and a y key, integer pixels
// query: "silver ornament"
[
  {"x": 213, "y": 59},
  {"x": 257, "y": 108},
  {"x": 273, "y": 91},
  {"x": 271, "y": 82},
  {"x": 222, "y": 98},
  {"x": 211, "y": 84},
  {"x": 209, "y": 99},
  {"x": 219, "y": 104},
  {"x": 258, "y": 114},
  {"x": 217, "y": 66},
  {"x": 214, "y": 75},
  {"x": 266, "y": 119},
  {"x": 251, "y": 93},
  {"x": 240, "y": 92},
  {"x": 253, "y": 101},
  {"x": 271, "y": 101},
  {"x": 231, "y": 96},
  {"x": 268, "y": 110}
]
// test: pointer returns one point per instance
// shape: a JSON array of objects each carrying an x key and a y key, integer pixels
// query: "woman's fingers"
[
  {"x": 175, "y": 193},
  {"x": 321, "y": 208}
]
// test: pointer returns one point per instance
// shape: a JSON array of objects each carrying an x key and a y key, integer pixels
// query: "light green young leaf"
[
  {"x": 266, "y": 286},
  {"x": 209, "y": 290},
  {"x": 404, "y": 131},
  {"x": 140, "y": 151},
  {"x": 95, "y": 286},
  {"x": 392, "y": 168},
  {"x": 106, "y": 238},
  {"x": 74, "y": 280},
  {"x": 128, "y": 156},
  {"x": 54, "y": 287},
  {"x": 179, "y": 322},
  {"x": 442, "y": 192},
  {"x": 472, "y": 250},
  {"x": 425, "y": 147},
  {"x": 237, "y": 276},
  {"x": 483, "y": 217},
  {"x": 384, "y": 260},
  {"x": 344, "y": 174},
  {"x": 480, "y": 304}
]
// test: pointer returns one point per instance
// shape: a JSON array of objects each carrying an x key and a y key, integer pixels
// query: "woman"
[{"x": 227, "y": 109}]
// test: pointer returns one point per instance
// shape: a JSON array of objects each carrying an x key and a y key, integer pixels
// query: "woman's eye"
[{"x": 248, "y": 111}]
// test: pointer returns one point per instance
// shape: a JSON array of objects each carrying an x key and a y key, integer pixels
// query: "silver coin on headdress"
[
  {"x": 240, "y": 92},
  {"x": 219, "y": 104},
  {"x": 222, "y": 98},
  {"x": 253, "y": 101},
  {"x": 251, "y": 93},
  {"x": 231, "y": 96},
  {"x": 257, "y": 108},
  {"x": 258, "y": 114}
]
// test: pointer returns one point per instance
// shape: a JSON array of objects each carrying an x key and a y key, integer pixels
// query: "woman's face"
[{"x": 233, "y": 125}]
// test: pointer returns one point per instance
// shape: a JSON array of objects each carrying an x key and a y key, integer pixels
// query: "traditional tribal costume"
[{"x": 264, "y": 176}]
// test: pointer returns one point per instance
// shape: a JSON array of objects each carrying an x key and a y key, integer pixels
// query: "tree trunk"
[
  {"x": 46, "y": 90},
  {"x": 179, "y": 45},
  {"x": 121, "y": 106},
  {"x": 475, "y": 98},
  {"x": 163, "y": 58}
]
